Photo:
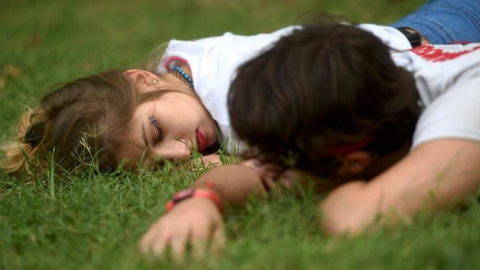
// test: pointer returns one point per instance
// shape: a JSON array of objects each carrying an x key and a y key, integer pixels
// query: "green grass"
[{"x": 95, "y": 221}]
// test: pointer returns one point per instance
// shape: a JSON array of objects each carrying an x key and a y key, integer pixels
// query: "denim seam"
[
  {"x": 440, "y": 26},
  {"x": 418, "y": 23},
  {"x": 466, "y": 11}
]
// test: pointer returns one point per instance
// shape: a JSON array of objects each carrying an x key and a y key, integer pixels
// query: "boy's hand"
[{"x": 196, "y": 222}]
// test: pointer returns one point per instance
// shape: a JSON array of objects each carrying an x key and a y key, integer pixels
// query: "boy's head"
[{"x": 321, "y": 93}]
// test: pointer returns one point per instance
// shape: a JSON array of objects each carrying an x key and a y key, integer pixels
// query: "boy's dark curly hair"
[{"x": 323, "y": 86}]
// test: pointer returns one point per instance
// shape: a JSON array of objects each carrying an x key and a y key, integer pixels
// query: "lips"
[{"x": 201, "y": 141}]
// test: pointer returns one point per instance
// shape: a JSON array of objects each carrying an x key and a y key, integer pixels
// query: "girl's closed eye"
[{"x": 155, "y": 123}]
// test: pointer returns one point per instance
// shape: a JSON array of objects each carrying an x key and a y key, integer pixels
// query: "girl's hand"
[
  {"x": 208, "y": 161},
  {"x": 212, "y": 160},
  {"x": 195, "y": 222}
]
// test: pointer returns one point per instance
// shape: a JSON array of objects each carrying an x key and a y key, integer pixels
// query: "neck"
[{"x": 183, "y": 76}]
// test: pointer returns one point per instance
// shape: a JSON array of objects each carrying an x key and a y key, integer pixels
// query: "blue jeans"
[{"x": 445, "y": 21}]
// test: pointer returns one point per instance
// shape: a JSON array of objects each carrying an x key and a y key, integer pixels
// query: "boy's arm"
[
  {"x": 198, "y": 221},
  {"x": 435, "y": 175}
]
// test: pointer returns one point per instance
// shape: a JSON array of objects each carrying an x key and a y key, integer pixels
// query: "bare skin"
[
  {"x": 404, "y": 189},
  {"x": 424, "y": 179},
  {"x": 171, "y": 126},
  {"x": 198, "y": 221},
  {"x": 423, "y": 41},
  {"x": 406, "y": 183}
]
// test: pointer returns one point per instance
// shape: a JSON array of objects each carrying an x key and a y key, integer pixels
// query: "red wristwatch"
[{"x": 190, "y": 193}]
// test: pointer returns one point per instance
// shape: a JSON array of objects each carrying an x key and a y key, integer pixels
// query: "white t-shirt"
[
  {"x": 213, "y": 63},
  {"x": 448, "y": 82}
]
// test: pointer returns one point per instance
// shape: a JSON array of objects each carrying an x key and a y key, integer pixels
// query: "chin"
[{"x": 212, "y": 148}]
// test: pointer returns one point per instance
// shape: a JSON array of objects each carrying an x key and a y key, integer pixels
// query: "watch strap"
[{"x": 413, "y": 37}]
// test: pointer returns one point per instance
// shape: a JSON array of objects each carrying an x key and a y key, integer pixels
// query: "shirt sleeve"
[
  {"x": 390, "y": 36},
  {"x": 455, "y": 114}
]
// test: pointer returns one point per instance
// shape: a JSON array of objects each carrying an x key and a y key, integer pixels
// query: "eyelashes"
[{"x": 155, "y": 123}]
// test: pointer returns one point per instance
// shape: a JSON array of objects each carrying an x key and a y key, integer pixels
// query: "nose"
[{"x": 173, "y": 149}]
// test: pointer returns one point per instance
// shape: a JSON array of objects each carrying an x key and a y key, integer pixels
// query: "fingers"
[
  {"x": 199, "y": 240},
  {"x": 202, "y": 239},
  {"x": 145, "y": 242},
  {"x": 193, "y": 223},
  {"x": 178, "y": 247},
  {"x": 212, "y": 160},
  {"x": 218, "y": 241},
  {"x": 159, "y": 243},
  {"x": 155, "y": 241}
]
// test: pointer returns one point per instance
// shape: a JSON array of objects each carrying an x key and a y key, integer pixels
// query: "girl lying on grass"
[
  {"x": 179, "y": 106},
  {"x": 393, "y": 132}
]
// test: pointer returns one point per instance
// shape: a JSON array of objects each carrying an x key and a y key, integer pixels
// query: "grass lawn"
[{"x": 95, "y": 221}]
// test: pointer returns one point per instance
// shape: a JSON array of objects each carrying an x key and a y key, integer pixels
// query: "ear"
[
  {"x": 354, "y": 163},
  {"x": 142, "y": 78}
]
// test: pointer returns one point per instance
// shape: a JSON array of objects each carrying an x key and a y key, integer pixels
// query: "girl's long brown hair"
[{"x": 79, "y": 123}]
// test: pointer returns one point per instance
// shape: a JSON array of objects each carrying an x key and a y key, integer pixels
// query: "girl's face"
[{"x": 169, "y": 127}]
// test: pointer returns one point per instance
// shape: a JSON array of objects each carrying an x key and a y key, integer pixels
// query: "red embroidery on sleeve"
[{"x": 433, "y": 54}]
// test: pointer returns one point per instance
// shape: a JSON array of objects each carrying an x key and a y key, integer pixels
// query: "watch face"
[{"x": 183, "y": 194}]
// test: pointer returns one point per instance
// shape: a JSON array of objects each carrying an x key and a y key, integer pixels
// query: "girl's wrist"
[{"x": 189, "y": 193}]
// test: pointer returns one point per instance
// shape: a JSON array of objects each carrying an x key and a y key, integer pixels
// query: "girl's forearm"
[{"x": 235, "y": 184}]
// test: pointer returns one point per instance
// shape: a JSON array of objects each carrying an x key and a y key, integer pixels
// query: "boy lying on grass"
[
  {"x": 178, "y": 106},
  {"x": 394, "y": 133}
]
